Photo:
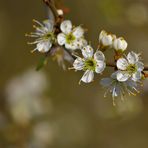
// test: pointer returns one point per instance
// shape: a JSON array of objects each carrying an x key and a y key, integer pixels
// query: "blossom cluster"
[
  {"x": 128, "y": 68},
  {"x": 70, "y": 37}
]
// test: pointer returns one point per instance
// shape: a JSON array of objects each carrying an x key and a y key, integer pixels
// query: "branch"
[
  {"x": 51, "y": 5},
  {"x": 146, "y": 68}
]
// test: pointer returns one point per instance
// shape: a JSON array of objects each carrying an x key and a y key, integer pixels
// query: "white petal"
[
  {"x": 44, "y": 46},
  {"x": 107, "y": 40},
  {"x": 102, "y": 34},
  {"x": 122, "y": 64},
  {"x": 131, "y": 83},
  {"x": 78, "y": 64},
  {"x": 124, "y": 45},
  {"x": 132, "y": 57},
  {"x": 80, "y": 43},
  {"x": 61, "y": 39},
  {"x": 116, "y": 91},
  {"x": 114, "y": 94},
  {"x": 78, "y": 32},
  {"x": 87, "y": 52},
  {"x": 70, "y": 46},
  {"x": 114, "y": 75},
  {"x": 136, "y": 76},
  {"x": 120, "y": 44},
  {"x": 106, "y": 82},
  {"x": 88, "y": 76},
  {"x": 66, "y": 26},
  {"x": 122, "y": 76},
  {"x": 49, "y": 25},
  {"x": 99, "y": 56},
  {"x": 100, "y": 67},
  {"x": 140, "y": 66}
]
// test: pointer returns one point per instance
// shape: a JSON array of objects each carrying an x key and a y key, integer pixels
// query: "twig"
[
  {"x": 145, "y": 68},
  {"x": 111, "y": 64},
  {"x": 51, "y": 5}
]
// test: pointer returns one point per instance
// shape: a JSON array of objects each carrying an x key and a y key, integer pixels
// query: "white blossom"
[
  {"x": 118, "y": 88},
  {"x": 24, "y": 96},
  {"x": 71, "y": 37},
  {"x": 120, "y": 44},
  {"x": 130, "y": 67},
  {"x": 106, "y": 39},
  {"x": 44, "y": 35},
  {"x": 90, "y": 63}
]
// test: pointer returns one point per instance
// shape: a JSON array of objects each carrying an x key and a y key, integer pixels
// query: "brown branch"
[
  {"x": 109, "y": 64},
  {"x": 51, "y": 5},
  {"x": 145, "y": 68},
  {"x": 145, "y": 75}
]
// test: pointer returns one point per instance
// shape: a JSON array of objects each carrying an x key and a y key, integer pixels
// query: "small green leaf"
[{"x": 42, "y": 63}]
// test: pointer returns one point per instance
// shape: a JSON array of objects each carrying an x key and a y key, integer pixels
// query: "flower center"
[
  {"x": 132, "y": 68},
  {"x": 70, "y": 38},
  {"x": 49, "y": 35},
  {"x": 90, "y": 64}
]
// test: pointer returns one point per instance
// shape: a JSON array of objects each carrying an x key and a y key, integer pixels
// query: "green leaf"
[{"x": 42, "y": 63}]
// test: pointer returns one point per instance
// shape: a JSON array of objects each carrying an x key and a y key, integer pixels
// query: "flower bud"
[
  {"x": 106, "y": 39},
  {"x": 60, "y": 12},
  {"x": 120, "y": 44}
]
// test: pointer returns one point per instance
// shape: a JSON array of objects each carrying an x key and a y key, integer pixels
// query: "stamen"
[
  {"x": 136, "y": 90},
  {"x": 80, "y": 82},
  {"x": 38, "y": 29},
  {"x": 71, "y": 68},
  {"x": 114, "y": 103},
  {"x": 32, "y": 51},
  {"x": 31, "y": 35},
  {"x": 38, "y": 22}
]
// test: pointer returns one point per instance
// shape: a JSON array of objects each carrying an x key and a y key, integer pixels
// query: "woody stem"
[{"x": 51, "y": 5}]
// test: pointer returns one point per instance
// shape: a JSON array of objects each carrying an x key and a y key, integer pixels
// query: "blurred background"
[{"x": 48, "y": 109}]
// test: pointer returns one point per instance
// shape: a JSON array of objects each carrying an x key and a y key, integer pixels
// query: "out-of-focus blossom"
[
  {"x": 43, "y": 134},
  {"x": 61, "y": 55},
  {"x": 118, "y": 88},
  {"x": 24, "y": 96}
]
